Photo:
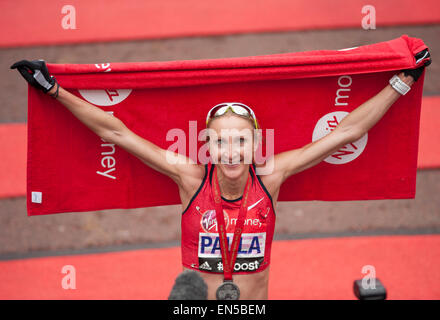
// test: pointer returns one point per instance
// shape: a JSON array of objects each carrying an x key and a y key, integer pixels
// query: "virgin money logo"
[
  {"x": 347, "y": 153},
  {"x": 107, "y": 97},
  {"x": 209, "y": 220}
]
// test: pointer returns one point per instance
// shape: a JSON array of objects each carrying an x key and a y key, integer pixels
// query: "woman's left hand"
[{"x": 416, "y": 73}]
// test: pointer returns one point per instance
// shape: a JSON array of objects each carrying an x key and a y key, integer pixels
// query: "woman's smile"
[{"x": 231, "y": 166}]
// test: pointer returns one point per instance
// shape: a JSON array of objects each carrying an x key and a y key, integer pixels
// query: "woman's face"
[{"x": 231, "y": 144}]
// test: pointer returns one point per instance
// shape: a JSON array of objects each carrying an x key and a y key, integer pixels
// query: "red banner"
[{"x": 299, "y": 97}]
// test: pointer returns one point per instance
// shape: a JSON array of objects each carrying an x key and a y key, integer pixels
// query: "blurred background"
[{"x": 114, "y": 250}]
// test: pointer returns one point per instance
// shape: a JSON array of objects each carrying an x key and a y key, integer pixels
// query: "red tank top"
[{"x": 200, "y": 239}]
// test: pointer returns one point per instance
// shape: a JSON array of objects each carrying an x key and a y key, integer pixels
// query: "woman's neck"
[{"x": 232, "y": 188}]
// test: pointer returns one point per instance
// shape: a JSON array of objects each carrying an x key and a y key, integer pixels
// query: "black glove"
[
  {"x": 416, "y": 73},
  {"x": 35, "y": 72}
]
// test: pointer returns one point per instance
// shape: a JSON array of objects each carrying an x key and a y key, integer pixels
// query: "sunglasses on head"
[{"x": 236, "y": 107}]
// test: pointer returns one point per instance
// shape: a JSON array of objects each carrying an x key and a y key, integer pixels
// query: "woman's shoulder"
[
  {"x": 191, "y": 181},
  {"x": 194, "y": 172},
  {"x": 269, "y": 177}
]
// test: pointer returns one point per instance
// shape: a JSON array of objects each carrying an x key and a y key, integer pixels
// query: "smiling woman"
[{"x": 231, "y": 205}]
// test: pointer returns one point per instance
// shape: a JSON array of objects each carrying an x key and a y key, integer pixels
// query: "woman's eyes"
[{"x": 241, "y": 140}]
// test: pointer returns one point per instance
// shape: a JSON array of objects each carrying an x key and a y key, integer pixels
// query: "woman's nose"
[{"x": 231, "y": 153}]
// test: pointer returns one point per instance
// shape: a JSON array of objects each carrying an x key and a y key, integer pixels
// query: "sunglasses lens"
[{"x": 219, "y": 111}]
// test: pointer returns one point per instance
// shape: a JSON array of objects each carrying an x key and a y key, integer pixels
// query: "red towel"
[{"x": 71, "y": 169}]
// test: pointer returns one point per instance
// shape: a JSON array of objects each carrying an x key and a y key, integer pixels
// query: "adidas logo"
[{"x": 205, "y": 266}]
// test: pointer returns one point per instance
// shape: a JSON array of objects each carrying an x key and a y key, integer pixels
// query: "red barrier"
[{"x": 100, "y": 20}]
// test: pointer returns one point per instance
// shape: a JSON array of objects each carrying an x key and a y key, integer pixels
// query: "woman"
[{"x": 226, "y": 195}]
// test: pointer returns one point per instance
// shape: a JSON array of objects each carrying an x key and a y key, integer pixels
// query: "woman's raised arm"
[
  {"x": 350, "y": 129},
  {"x": 111, "y": 129}
]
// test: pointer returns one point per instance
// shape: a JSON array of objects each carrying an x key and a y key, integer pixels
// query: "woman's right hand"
[{"x": 36, "y": 74}]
